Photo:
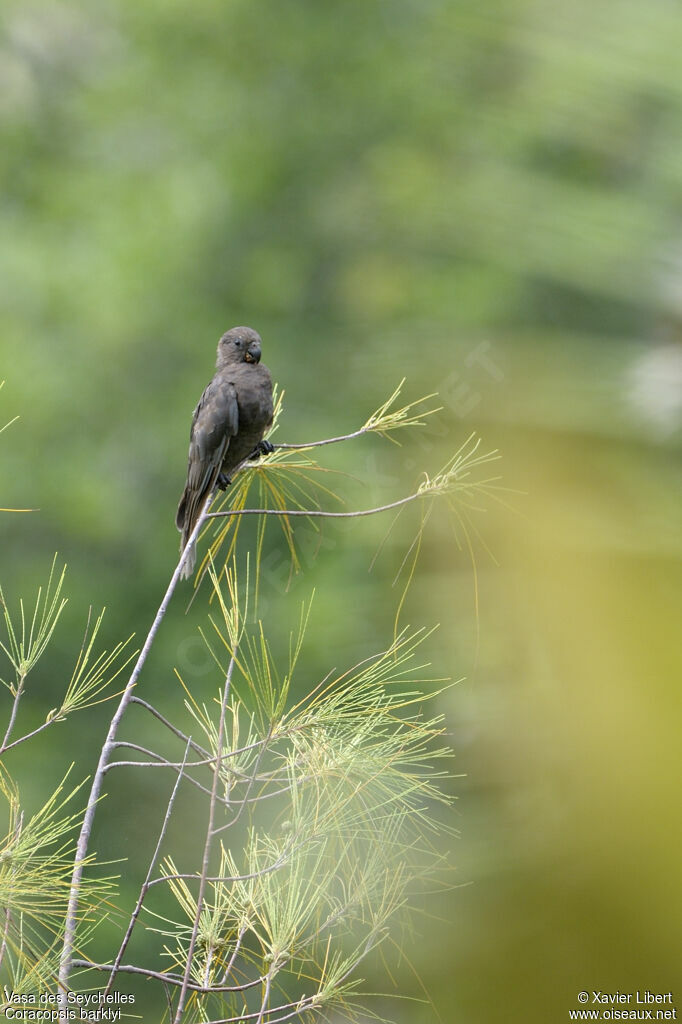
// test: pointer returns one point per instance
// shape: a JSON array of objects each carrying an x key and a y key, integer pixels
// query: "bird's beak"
[{"x": 252, "y": 354}]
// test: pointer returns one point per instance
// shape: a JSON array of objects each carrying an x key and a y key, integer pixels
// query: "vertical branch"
[
  {"x": 86, "y": 828},
  {"x": 145, "y": 886},
  {"x": 13, "y": 715},
  {"x": 209, "y": 841},
  {"x": 235, "y": 951},
  {"x": 266, "y": 996}
]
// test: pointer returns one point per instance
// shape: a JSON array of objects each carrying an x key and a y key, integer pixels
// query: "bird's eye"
[{"x": 238, "y": 342}]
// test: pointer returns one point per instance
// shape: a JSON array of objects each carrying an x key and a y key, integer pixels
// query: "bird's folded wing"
[{"x": 215, "y": 422}]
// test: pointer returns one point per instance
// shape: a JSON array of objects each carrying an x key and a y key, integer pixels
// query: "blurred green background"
[{"x": 485, "y": 199}]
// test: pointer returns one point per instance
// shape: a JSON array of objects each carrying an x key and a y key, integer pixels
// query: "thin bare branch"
[
  {"x": 86, "y": 828},
  {"x": 226, "y": 879},
  {"x": 384, "y": 420},
  {"x": 208, "y": 759},
  {"x": 28, "y": 735},
  {"x": 316, "y": 513},
  {"x": 169, "y": 725},
  {"x": 209, "y": 840},
  {"x": 320, "y": 444},
  {"x": 169, "y": 979},
  {"x": 161, "y": 760},
  {"x": 12, "y": 718},
  {"x": 235, "y": 952},
  {"x": 161, "y": 764},
  {"x": 266, "y": 995},
  {"x": 145, "y": 886},
  {"x": 296, "y": 1008}
]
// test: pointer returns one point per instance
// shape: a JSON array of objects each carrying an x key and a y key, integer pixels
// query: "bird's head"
[{"x": 239, "y": 345}]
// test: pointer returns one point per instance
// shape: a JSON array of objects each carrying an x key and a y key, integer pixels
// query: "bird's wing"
[{"x": 214, "y": 423}]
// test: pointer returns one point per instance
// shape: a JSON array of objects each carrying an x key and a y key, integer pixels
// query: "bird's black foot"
[
  {"x": 262, "y": 448},
  {"x": 223, "y": 482}
]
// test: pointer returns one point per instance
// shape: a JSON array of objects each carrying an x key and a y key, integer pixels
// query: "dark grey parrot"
[{"x": 228, "y": 425}]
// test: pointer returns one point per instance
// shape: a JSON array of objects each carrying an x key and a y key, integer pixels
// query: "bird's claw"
[
  {"x": 262, "y": 448},
  {"x": 223, "y": 482}
]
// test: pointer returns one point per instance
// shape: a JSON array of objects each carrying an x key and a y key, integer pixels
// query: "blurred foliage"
[{"x": 482, "y": 198}]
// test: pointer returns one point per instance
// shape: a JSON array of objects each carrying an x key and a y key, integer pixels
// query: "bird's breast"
[{"x": 255, "y": 404}]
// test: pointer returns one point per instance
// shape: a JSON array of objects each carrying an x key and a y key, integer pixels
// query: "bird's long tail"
[
  {"x": 188, "y": 567},
  {"x": 185, "y": 520}
]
